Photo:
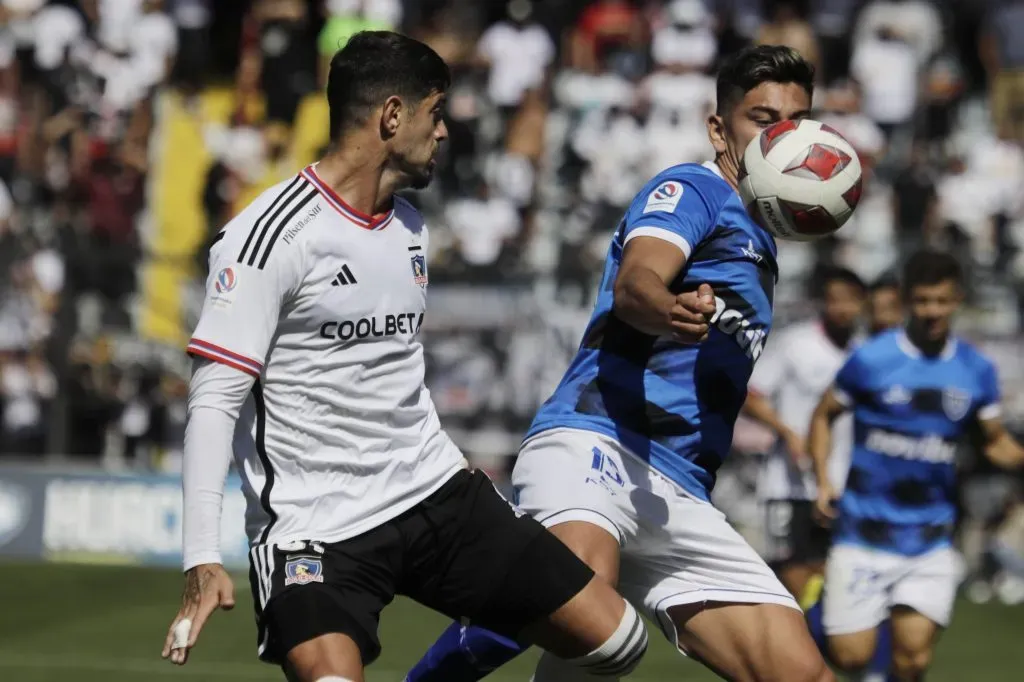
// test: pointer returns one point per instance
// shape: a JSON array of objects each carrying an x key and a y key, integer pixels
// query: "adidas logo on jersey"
[
  {"x": 750, "y": 252},
  {"x": 343, "y": 277}
]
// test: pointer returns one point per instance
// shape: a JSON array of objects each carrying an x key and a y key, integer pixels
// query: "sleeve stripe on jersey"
[
  {"x": 281, "y": 225},
  {"x": 660, "y": 233},
  {"x": 272, "y": 220},
  {"x": 261, "y": 220},
  {"x": 990, "y": 411},
  {"x": 214, "y": 352}
]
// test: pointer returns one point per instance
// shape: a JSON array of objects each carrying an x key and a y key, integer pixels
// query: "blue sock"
[
  {"x": 463, "y": 653},
  {"x": 813, "y": 616},
  {"x": 882, "y": 660}
]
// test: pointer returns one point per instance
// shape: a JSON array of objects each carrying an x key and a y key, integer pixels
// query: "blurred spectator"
[
  {"x": 345, "y": 18},
  {"x": 518, "y": 51},
  {"x": 686, "y": 42},
  {"x": 916, "y": 22},
  {"x": 886, "y": 68},
  {"x": 287, "y": 59},
  {"x": 604, "y": 29},
  {"x": 833, "y": 22},
  {"x": 787, "y": 25},
  {"x": 1002, "y": 53}
]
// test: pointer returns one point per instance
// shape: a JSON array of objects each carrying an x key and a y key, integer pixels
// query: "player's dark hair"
[
  {"x": 927, "y": 268},
  {"x": 883, "y": 283},
  {"x": 745, "y": 70},
  {"x": 375, "y": 65},
  {"x": 842, "y": 275}
]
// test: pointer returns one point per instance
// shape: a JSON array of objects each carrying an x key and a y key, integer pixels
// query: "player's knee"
[
  {"x": 622, "y": 652},
  {"x": 911, "y": 665},
  {"x": 849, "y": 658},
  {"x": 810, "y": 670}
]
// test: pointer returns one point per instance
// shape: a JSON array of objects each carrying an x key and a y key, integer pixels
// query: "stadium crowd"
[{"x": 558, "y": 112}]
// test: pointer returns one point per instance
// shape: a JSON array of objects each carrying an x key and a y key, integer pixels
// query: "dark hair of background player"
[
  {"x": 745, "y": 70},
  {"x": 927, "y": 268},
  {"x": 833, "y": 273},
  {"x": 375, "y": 65},
  {"x": 883, "y": 283}
]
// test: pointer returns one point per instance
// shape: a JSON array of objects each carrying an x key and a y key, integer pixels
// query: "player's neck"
[
  {"x": 729, "y": 169},
  {"x": 928, "y": 347},
  {"x": 360, "y": 177}
]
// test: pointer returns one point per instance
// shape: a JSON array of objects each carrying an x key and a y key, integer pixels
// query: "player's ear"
[
  {"x": 391, "y": 116},
  {"x": 716, "y": 133}
]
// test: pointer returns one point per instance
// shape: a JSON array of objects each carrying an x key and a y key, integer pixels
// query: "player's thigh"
[
  {"x": 856, "y": 595},
  {"x": 928, "y": 585},
  {"x": 306, "y": 591},
  {"x": 569, "y": 475},
  {"x": 504, "y": 571},
  {"x": 598, "y": 548},
  {"x": 913, "y": 641},
  {"x": 749, "y": 642},
  {"x": 712, "y": 595},
  {"x": 325, "y": 656}
]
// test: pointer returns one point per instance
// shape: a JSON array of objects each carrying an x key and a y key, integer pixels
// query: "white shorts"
[
  {"x": 863, "y": 584},
  {"x": 676, "y": 549}
]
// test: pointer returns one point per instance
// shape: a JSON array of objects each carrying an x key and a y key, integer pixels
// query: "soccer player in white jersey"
[
  {"x": 308, "y": 366},
  {"x": 787, "y": 382}
]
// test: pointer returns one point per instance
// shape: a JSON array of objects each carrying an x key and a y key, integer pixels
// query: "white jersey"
[
  {"x": 795, "y": 370},
  {"x": 323, "y": 305}
]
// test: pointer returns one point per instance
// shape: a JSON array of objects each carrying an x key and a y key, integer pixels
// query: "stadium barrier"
[{"x": 95, "y": 517}]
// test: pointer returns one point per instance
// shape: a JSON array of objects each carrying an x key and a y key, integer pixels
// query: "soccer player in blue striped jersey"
[
  {"x": 915, "y": 392},
  {"x": 620, "y": 461}
]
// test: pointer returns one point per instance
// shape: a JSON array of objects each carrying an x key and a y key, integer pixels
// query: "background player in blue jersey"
[
  {"x": 914, "y": 392},
  {"x": 620, "y": 461}
]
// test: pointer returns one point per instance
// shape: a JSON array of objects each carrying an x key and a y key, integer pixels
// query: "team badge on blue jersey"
[
  {"x": 955, "y": 403},
  {"x": 303, "y": 570},
  {"x": 665, "y": 197},
  {"x": 419, "y": 269}
]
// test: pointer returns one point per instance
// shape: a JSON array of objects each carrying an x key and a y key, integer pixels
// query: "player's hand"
[
  {"x": 825, "y": 506},
  {"x": 691, "y": 315},
  {"x": 796, "y": 448},
  {"x": 207, "y": 588}
]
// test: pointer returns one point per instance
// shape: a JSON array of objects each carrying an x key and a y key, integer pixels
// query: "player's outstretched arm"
[
  {"x": 1001, "y": 448},
  {"x": 819, "y": 444},
  {"x": 216, "y": 395},
  {"x": 759, "y": 408},
  {"x": 642, "y": 297}
]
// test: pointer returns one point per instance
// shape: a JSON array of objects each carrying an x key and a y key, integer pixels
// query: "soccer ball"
[{"x": 800, "y": 180}]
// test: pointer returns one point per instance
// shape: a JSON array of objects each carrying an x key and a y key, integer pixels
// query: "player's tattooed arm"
[
  {"x": 1001, "y": 448},
  {"x": 642, "y": 297},
  {"x": 207, "y": 588},
  {"x": 819, "y": 444}
]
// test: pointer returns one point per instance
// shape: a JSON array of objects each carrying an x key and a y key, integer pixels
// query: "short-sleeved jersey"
[
  {"x": 323, "y": 305},
  {"x": 910, "y": 413},
  {"x": 796, "y": 369},
  {"x": 675, "y": 405}
]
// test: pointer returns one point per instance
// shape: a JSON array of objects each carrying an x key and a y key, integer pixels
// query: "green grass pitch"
[{"x": 64, "y": 623}]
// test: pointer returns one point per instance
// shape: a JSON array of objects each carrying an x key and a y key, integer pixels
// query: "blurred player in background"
[
  {"x": 621, "y": 460},
  {"x": 788, "y": 381},
  {"x": 914, "y": 393},
  {"x": 308, "y": 364},
  {"x": 885, "y": 305}
]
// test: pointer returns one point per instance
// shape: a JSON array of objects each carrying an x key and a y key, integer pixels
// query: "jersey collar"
[
  {"x": 713, "y": 167},
  {"x": 907, "y": 346},
  {"x": 378, "y": 222}
]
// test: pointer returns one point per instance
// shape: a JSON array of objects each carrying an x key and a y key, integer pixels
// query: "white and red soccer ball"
[{"x": 800, "y": 180}]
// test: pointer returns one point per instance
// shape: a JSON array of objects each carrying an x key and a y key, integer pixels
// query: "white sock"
[{"x": 551, "y": 668}]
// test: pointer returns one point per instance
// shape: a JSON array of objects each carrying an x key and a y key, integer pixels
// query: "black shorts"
[
  {"x": 792, "y": 535},
  {"x": 464, "y": 551}
]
